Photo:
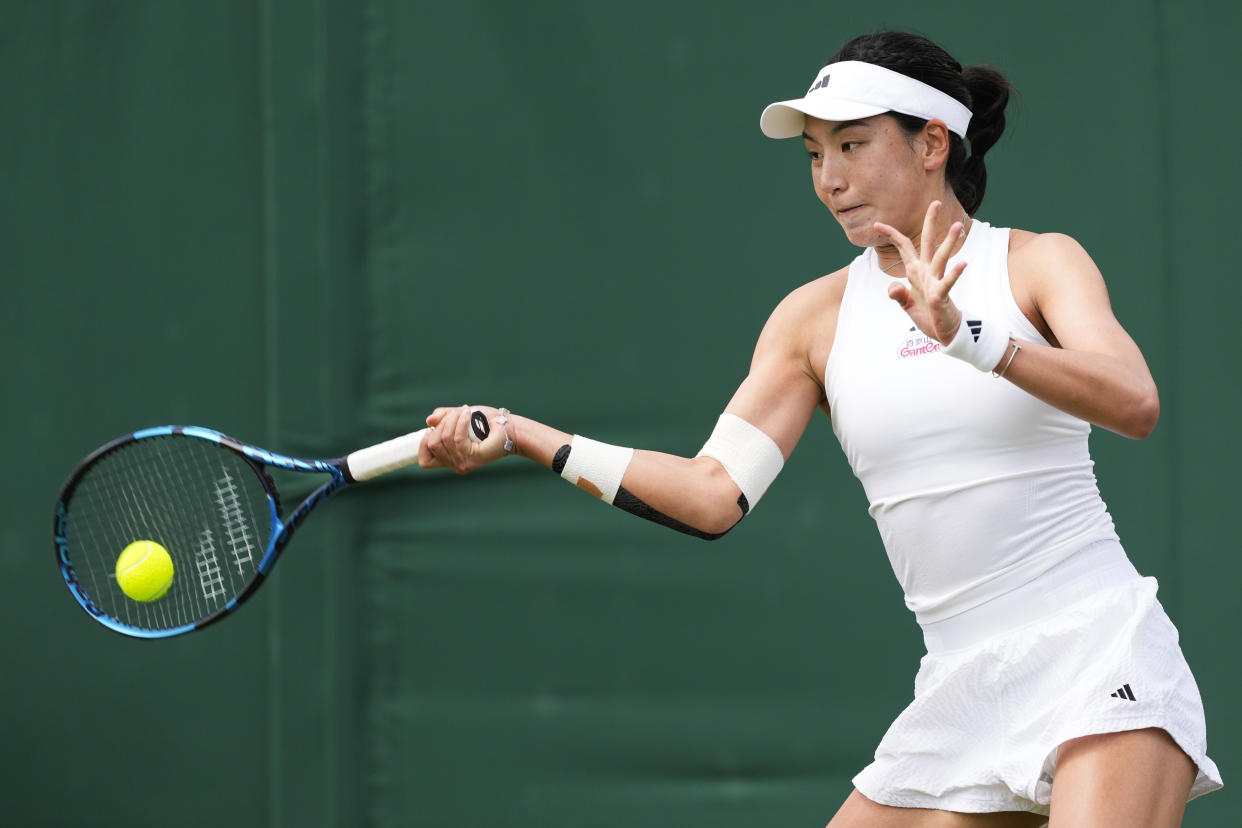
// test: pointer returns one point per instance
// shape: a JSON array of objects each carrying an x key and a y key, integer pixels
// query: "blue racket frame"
[{"x": 282, "y": 529}]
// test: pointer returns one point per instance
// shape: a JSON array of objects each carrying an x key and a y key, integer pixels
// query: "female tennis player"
[{"x": 962, "y": 366}]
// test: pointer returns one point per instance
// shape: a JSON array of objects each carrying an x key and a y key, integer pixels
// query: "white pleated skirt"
[{"x": 1084, "y": 649}]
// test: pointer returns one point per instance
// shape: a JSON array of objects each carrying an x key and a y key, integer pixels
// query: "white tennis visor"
[{"x": 851, "y": 89}]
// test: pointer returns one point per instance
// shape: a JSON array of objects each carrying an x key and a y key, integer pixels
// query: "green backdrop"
[{"x": 306, "y": 222}]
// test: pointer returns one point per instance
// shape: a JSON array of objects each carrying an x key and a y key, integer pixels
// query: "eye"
[
  {"x": 814, "y": 155},
  {"x": 849, "y": 146}
]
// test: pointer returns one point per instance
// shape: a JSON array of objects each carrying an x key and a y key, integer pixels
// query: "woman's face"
[{"x": 867, "y": 171}]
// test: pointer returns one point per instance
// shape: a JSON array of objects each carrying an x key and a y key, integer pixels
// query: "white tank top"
[{"x": 976, "y": 486}]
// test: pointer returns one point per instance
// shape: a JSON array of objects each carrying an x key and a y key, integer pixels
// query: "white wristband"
[
  {"x": 596, "y": 467},
  {"x": 979, "y": 342},
  {"x": 750, "y": 457}
]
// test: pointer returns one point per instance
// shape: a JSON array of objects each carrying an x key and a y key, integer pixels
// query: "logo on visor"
[{"x": 819, "y": 84}]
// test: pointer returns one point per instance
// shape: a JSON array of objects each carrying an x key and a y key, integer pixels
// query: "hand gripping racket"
[{"x": 211, "y": 502}]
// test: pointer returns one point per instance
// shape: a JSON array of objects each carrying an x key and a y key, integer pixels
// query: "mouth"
[{"x": 848, "y": 211}]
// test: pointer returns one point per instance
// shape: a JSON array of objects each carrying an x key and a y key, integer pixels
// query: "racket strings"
[{"x": 202, "y": 502}]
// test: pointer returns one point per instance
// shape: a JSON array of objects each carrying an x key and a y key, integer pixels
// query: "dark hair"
[{"x": 983, "y": 90}]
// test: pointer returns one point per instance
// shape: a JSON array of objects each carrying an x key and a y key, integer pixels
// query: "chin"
[{"x": 864, "y": 237}]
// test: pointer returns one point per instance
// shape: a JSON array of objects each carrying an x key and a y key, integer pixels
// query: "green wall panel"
[{"x": 306, "y": 223}]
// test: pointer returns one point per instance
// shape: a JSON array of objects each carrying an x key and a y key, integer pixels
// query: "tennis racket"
[{"x": 212, "y": 502}]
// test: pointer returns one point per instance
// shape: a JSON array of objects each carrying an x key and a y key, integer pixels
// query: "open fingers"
[
  {"x": 904, "y": 246},
  {"x": 931, "y": 253},
  {"x": 950, "y": 278},
  {"x": 946, "y": 248}
]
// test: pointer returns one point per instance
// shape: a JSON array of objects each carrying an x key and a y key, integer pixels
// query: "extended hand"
[{"x": 926, "y": 298}]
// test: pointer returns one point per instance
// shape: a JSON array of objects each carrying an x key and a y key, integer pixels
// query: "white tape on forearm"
[
  {"x": 979, "y": 342},
  {"x": 596, "y": 467},
  {"x": 751, "y": 458}
]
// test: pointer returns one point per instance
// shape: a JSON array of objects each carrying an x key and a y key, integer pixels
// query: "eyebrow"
[{"x": 839, "y": 128}]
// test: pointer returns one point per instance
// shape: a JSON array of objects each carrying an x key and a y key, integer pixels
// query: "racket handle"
[
  {"x": 384, "y": 457},
  {"x": 402, "y": 451}
]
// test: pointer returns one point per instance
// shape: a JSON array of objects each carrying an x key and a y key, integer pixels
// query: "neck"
[{"x": 889, "y": 259}]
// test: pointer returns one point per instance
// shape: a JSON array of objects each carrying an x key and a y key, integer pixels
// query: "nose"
[{"x": 828, "y": 178}]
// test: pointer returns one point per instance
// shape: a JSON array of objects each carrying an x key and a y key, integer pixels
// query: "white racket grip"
[{"x": 384, "y": 457}]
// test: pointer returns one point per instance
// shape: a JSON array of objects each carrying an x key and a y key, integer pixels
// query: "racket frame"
[
  {"x": 282, "y": 529},
  {"x": 360, "y": 465}
]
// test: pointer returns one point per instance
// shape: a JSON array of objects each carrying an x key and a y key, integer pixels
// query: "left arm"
[{"x": 1094, "y": 369}]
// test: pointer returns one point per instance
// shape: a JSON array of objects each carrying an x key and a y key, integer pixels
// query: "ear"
[{"x": 935, "y": 151}]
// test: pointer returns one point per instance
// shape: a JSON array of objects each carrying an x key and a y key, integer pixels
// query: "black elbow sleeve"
[{"x": 628, "y": 501}]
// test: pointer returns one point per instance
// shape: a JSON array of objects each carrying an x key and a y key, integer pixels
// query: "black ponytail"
[{"x": 983, "y": 90}]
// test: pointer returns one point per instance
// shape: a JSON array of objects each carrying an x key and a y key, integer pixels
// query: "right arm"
[{"x": 695, "y": 495}]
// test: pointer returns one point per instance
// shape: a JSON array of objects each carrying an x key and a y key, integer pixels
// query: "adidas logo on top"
[{"x": 1124, "y": 693}]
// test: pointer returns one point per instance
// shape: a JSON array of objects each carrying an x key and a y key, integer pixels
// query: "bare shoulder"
[
  {"x": 813, "y": 298},
  {"x": 1054, "y": 279},
  {"x": 1039, "y": 251},
  {"x": 800, "y": 331},
  {"x": 808, "y": 314},
  {"x": 784, "y": 385}
]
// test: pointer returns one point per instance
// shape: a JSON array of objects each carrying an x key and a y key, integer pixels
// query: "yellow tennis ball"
[{"x": 144, "y": 571}]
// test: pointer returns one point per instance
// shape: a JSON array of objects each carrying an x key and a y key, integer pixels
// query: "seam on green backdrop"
[
  {"x": 271, "y": 347},
  {"x": 329, "y": 376},
  {"x": 1170, "y": 596},
  {"x": 378, "y": 203},
  {"x": 378, "y": 196}
]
